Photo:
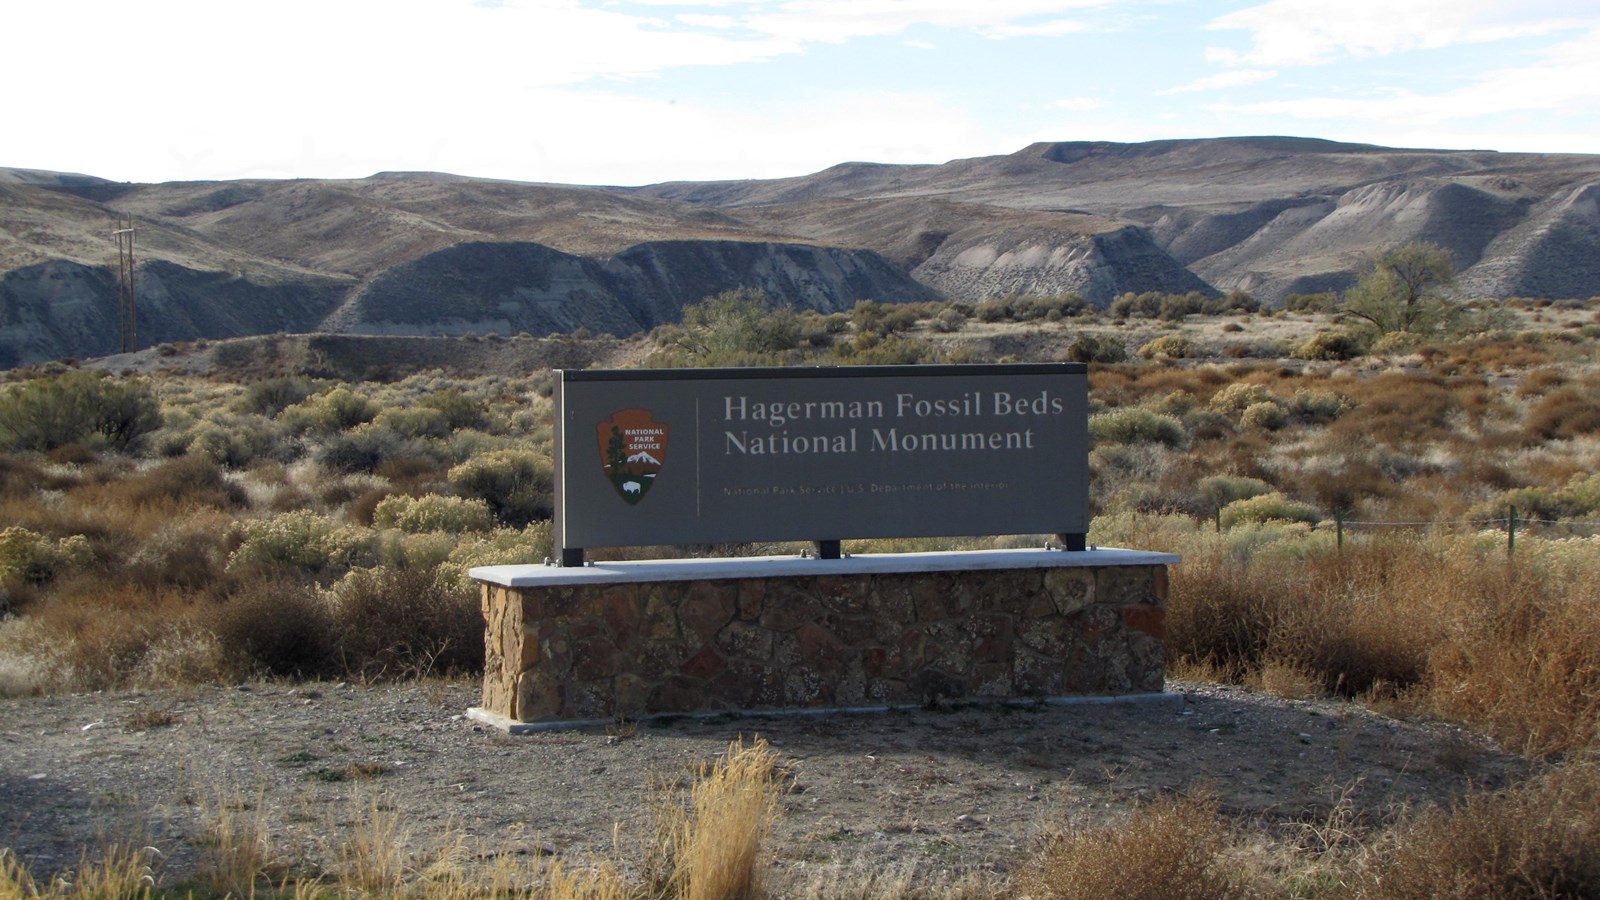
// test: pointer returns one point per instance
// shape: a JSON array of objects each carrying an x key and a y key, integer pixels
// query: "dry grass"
[
  {"x": 714, "y": 843},
  {"x": 1171, "y": 849},
  {"x": 236, "y": 846},
  {"x": 120, "y": 874},
  {"x": 1538, "y": 839}
]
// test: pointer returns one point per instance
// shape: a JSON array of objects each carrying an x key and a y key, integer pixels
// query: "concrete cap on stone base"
[{"x": 620, "y": 572}]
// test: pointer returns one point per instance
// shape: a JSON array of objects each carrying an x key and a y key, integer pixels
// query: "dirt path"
[{"x": 946, "y": 791}]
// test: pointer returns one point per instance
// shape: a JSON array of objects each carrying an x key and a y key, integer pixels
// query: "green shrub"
[
  {"x": 1221, "y": 490},
  {"x": 1318, "y": 407},
  {"x": 1171, "y": 346},
  {"x": 1266, "y": 416},
  {"x": 77, "y": 407},
  {"x": 30, "y": 557},
  {"x": 273, "y": 396},
  {"x": 337, "y": 410},
  {"x": 414, "y": 421},
  {"x": 1312, "y": 303},
  {"x": 365, "y": 448},
  {"x": 1136, "y": 425},
  {"x": 1139, "y": 306},
  {"x": 517, "y": 484},
  {"x": 1266, "y": 508},
  {"x": 432, "y": 512},
  {"x": 459, "y": 410},
  {"x": 501, "y": 547},
  {"x": 1330, "y": 345},
  {"x": 1237, "y": 397},
  {"x": 300, "y": 541},
  {"x": 949, "y": 320},
  {"x": 1089, "y": 348},
  {"x": 1398, "y": 342},
  {"x": 1579, "y": 497}
]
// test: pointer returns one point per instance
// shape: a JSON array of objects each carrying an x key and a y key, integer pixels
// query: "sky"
[{"x": 627, "y": 92}]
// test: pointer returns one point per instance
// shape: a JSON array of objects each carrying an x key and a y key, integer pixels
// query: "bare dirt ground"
[{"x": 945, "y": 791}]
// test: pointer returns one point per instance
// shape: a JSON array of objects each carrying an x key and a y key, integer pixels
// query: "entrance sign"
[{"x": 694, "y": 456}]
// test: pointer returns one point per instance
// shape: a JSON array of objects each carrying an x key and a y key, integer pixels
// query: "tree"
[
  {"x": 736, "y": 324},
  {"x": 1407, "y": 290},
  {"x": 51, "y": 412}
]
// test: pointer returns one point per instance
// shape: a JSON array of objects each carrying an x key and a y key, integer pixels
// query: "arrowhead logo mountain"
[{"x": 633, "y": 448}]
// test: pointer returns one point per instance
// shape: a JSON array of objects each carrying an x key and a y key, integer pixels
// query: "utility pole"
[{"x": 126, "y": 305}]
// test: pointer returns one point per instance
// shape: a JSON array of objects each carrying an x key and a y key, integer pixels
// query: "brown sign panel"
[{"x": 819, "y": 454}]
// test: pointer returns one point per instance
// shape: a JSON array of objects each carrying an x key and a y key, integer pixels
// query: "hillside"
[{"x": 425, "y": 253}]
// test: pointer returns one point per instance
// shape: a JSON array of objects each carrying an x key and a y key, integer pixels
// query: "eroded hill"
[{"x": 423, "y": 253}]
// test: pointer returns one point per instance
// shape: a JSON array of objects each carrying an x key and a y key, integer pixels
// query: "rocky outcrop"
[
  {"x": 66, "y": 309},
  {"x": 486, "y": 288},
  {"x": 1098, "y": 267}
]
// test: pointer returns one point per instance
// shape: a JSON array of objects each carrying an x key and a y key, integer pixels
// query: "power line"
[{"x": 126, "y": 289}]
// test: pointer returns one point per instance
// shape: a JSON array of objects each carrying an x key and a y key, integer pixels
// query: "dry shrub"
[
  {"x": 1352, "y": 628},
  {"x": 276, "y": 627},
  {"x": 183, "y": 555},
  {"x": 1523, "y": 661},
  {"x": 1565, "y": 413},
  {"x": 23, "y": 477},
  {"x": 1168, "y": 850},
  {"x": 1397, "y": 409},
  {"x": 713, "y": 847},
  {"x": 1538, "y": 839},
  {"x": 1342, "y": 490},
  {"x": 1221, "y": 614},
  {"x": 406, "y": 623},
  {"x": 189, "y": 481},
  {"x": 83, "y": 648}
]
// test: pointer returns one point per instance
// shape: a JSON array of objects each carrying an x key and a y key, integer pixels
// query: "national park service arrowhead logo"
[{"x": 633, "y": 447}]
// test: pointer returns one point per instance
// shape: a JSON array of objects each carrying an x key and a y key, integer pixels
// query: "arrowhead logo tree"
[{"x": 633, "y": 448}]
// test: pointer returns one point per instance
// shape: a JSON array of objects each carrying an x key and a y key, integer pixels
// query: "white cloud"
[
  {"x": 1567, "y": 80},
  {"x": 1052, "y": 28},
  {"x": 1309, "y": 32},
  {"x": 1079, "y": 103},
  {"x": 836, "y": 21},
  {"x": 1221, "y": 80}
]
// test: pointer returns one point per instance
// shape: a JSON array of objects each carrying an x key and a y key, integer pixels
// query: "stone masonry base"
[{"x": 624, "y": 649}]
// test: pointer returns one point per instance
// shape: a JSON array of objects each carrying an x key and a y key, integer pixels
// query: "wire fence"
[{"x": 1511, "y": 523}]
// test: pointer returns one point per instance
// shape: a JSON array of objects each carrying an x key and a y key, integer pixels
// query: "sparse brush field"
[{"x": 1341, "y": 502}]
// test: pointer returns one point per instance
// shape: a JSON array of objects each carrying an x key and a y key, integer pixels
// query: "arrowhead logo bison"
[{"x": 633, "y": 448}]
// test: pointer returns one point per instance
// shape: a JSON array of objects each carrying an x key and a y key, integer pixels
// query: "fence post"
[
  {"x": 1511, "y": 534},
  {"x": 1338, "y": 530}
]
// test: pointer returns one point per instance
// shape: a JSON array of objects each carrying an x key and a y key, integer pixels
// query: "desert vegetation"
[{"x": 1403, "y": 516}]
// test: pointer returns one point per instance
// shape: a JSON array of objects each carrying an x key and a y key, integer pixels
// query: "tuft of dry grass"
[
  {"x": 373, "y": 855},
  {"x": 236, "y": 844},
  {"x": 120, "y": 874},
  {"x": 1170, "y": 849},
  {"x": 713, "y": 844}
]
